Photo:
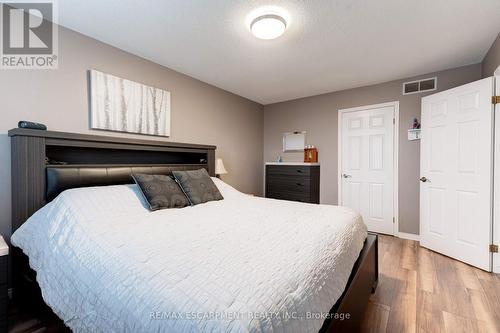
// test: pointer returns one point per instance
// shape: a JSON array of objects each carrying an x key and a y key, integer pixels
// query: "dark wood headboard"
[{"x": 34, "y": 152}]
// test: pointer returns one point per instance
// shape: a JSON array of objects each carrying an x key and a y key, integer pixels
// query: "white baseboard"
[{"x": 408, "y": 236}]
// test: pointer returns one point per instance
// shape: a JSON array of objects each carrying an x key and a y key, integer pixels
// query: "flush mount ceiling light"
[{"x": 268, "y": 26}]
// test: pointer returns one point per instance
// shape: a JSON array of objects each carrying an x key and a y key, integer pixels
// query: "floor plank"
[
  {"x": 377, "y": 314},
  {"x": 423, "y": 291}
]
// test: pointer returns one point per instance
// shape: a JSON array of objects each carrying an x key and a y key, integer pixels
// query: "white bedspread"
[{"x": 242, "y": 264}]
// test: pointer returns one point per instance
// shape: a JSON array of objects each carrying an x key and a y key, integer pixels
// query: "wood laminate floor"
[{"x": 423, "y": 291}]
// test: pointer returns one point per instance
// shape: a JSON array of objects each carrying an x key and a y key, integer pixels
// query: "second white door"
[
  {"x": 456, "y": 172},
  {"x": 367, "y": 164}
]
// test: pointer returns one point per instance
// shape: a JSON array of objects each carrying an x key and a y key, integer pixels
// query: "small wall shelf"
[{"x": 414, "y": 134}]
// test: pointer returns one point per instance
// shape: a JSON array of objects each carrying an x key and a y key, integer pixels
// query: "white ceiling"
[{"x": 329, "y": 45}]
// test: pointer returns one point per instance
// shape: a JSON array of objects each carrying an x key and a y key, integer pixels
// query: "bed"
[{"x": 104, "y": 262}]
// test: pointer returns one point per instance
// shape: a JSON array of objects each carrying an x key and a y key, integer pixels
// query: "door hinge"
[
  {"x": 493, "y": 248},
  {"x": 495, "y": 99}
]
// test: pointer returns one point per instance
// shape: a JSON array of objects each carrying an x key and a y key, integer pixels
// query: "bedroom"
[{"x": 228, "y": 95}]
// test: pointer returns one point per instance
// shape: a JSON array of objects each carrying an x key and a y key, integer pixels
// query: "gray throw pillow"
[
  {"x": 198, "y": 186},
  {"x": 161, "y": 191}
]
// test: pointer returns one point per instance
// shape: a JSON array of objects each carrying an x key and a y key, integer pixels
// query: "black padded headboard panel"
[{"x": 60, "y": 178}]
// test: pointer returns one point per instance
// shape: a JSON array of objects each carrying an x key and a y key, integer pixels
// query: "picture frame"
[{"x": 121, "y": 105}]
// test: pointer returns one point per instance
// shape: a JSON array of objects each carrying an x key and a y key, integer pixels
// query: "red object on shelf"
[{"x": 310, "y": 155}]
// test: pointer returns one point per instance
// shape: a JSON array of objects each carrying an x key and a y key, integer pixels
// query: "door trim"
[
  {"x": 495, "y": 265},
  {"x": 395, "y": 147},
  {"x": 405, "y": 235}
]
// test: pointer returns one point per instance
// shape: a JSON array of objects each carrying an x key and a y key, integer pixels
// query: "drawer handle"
[
  {"x": 300, "y": 184},
  {"x": 298, "y": 170}
]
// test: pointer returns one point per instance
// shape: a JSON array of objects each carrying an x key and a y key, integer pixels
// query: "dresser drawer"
[
  {"x": 288, "y": 170},
  {"x": 293, "y": 196},
  {"x": 287, "y": 183}
]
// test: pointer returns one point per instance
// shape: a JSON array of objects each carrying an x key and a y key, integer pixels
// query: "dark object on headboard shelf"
[
  {"x": 31, "y": 125},
  {"x": 48, "y": 161}
]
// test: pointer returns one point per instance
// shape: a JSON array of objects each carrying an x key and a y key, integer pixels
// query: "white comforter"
[{"x": 242, "y": 264}]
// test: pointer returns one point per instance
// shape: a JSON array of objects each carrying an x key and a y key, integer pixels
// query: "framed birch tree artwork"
[{"x": 125, "y": 106}]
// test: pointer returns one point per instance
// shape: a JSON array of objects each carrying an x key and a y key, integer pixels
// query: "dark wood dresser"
[{"x": 293, "y": 181}]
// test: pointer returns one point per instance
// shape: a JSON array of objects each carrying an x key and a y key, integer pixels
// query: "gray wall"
[
  {"x": 318, "y": 116},
  {"x": 201, "y": 113},
  {"x": 492, "y": 59}
]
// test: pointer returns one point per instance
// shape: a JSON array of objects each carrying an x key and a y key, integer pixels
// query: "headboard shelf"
[
  {"x": 101, "y": 138},
  {"x": 76, "y": 160},
  {"x": 106, "y": 155}
]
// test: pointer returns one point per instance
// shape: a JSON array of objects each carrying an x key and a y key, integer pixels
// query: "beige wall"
[
  {"x": 201, "y": 113},
  {"x": 318, "y": 116},
  {"x": 492, "y": 59}
]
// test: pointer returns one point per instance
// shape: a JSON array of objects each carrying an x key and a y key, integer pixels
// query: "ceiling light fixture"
[{"x": 269, "y": 26}]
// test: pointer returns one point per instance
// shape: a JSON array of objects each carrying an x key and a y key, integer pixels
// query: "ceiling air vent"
[{"x": 419, "y": 86}]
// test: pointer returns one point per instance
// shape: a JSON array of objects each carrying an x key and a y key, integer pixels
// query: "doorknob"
[
  {"x": 346, "y": 176},
  {"x": 423, "y": 179}
]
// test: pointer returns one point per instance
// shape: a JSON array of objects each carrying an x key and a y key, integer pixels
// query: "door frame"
[
  {"x": 395, "y": 147},
  {"x": 495, "y": 232}
]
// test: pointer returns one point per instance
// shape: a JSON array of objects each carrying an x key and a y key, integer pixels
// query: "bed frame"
[{"x": 44, "y": 163}]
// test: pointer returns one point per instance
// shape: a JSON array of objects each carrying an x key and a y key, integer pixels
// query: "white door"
[
  {"x": 367, "y": 165},
  {"x": 456, "y": 172}
]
